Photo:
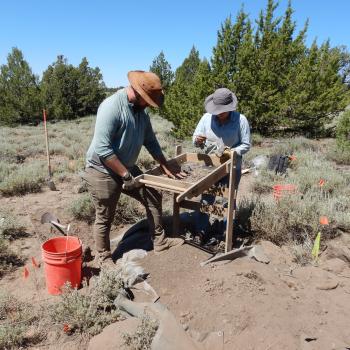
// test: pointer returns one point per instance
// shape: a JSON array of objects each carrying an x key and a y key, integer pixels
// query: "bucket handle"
[{"x": 67, "y": 260}]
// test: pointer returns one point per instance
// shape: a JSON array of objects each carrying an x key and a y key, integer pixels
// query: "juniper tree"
[
  {"x": 316, "y": 90},
  {"x": 59, "y": 88},
  {"x": 91, "y": 88},
  {"x": 267, "y": 88},
  {"x": 19, "y": 91},
  {"x": 200, "y": 88},
  {"x": 178, "y": 104},
  {"x": 69, "y": 92},
  {"x": 280, "y": 82},
  {"x": 162, "y": 68},
  {"x": 226, "y": 52}
]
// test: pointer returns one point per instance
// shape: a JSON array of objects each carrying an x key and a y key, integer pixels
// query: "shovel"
[
  {"x": 49, "y": 181},
  {"x": 48, "y": 218}
]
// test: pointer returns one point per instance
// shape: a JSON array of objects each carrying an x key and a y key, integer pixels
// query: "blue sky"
[{"x": 119, "y": 36}]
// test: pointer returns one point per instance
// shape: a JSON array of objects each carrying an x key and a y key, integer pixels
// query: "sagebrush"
[
  {"x": 89, "y": 311},
  {"x": 143, "y": 336}
]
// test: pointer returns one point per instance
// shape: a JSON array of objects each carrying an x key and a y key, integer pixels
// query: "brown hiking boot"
[{"x": 166, "y": 244}]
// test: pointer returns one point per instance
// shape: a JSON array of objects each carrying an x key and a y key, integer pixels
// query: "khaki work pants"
[{"x": 105, "y": 191}]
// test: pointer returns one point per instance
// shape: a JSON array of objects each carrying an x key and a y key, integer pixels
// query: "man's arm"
[
  {"x": 152, "y": 145},
  {"x": 244, "y": 146},
  {"x": 116, "y": 165},
  {"x": 107, "y": 122}
]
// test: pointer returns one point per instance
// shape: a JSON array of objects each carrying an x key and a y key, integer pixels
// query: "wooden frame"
[{"x": 184, "y": 191}]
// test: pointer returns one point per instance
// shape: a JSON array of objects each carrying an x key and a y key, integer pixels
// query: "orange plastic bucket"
[{"x": 63, "y": 260}]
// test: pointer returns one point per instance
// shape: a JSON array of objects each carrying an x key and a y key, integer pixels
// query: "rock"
[
  {"x": 334, "y": 265},
  {"x": 338, "y": 248},
  {"x": 111, "y": 337},
  {"x": 327, "y": 285},
  {"x": 275, "y": 254},
  {"x": 185, "y": 327}
]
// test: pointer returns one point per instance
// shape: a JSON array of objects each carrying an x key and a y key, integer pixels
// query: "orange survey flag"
[
  {"x": 324, "y": 220},
  {"x": 34, "y": 263},
  {"x": 321, "y": 182},
  {"x": 25, "y": 272}
]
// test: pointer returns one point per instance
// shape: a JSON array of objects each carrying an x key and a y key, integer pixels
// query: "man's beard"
[{"x": 138, "y": 107}]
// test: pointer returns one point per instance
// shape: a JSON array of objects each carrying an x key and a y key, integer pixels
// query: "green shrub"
[
  {"x": 302, "y": 252},
  {"x": 340, "y": 152},
  {"x": 296, "y": 219},
  {"x": 91, "y": 311},
  {"x": 310, "y": 167},
  {"x": 343, "y": 131},
  {"x": 257, "y": 139},
  {"x": 8, "y": 259},
  {"x": 7, "y": 168},
  {"x": 10, "y": 226},
  {"x": 143, "y": 336},
  {"x": 293, "y": 145},
  {"x": 338, "y": 155},
  {"x": 83, "y": 208},
  {"x": 265, "y": 180},
  {"x": 128, "y": 211},
  {"x": 26, "y": 178},
  {"x": 17, "y": 321}
]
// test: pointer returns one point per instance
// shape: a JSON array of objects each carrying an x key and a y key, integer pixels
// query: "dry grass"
[
  {"x": 294, "y": 219},
  {"x": 10, "y": 228},
  {"x": 22, "y": 154}
]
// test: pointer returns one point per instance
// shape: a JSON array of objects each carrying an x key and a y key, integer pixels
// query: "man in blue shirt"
[
  {"x": 222, "y": 124},
  {"x": 122, "y": 128}
]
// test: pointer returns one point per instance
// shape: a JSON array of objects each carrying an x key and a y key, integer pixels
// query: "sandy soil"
[{"x": 258, "y": 306}]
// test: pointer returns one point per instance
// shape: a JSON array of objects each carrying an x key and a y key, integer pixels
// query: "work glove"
[
  {"x": 225, "y": 155},
  {"x": 129, "y": 182}
]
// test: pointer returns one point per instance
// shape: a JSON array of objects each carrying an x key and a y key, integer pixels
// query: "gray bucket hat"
[{"x": 222, "y": 100}]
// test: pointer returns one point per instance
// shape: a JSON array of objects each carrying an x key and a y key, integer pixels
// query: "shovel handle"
[{"x": 47, "y": 144}]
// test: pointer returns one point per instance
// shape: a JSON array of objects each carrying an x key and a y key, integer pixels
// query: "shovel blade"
[
  {"x": 51, "y": 185},
  {"x": 47, "y": 218}
]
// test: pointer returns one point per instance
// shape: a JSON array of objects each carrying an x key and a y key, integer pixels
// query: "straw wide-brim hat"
[
  {"x": 148, "y": 85},
  {"x": 222, "y": 100}
]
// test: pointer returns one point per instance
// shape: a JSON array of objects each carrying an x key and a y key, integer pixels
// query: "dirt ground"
[{"x": 258, "y": 306}]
